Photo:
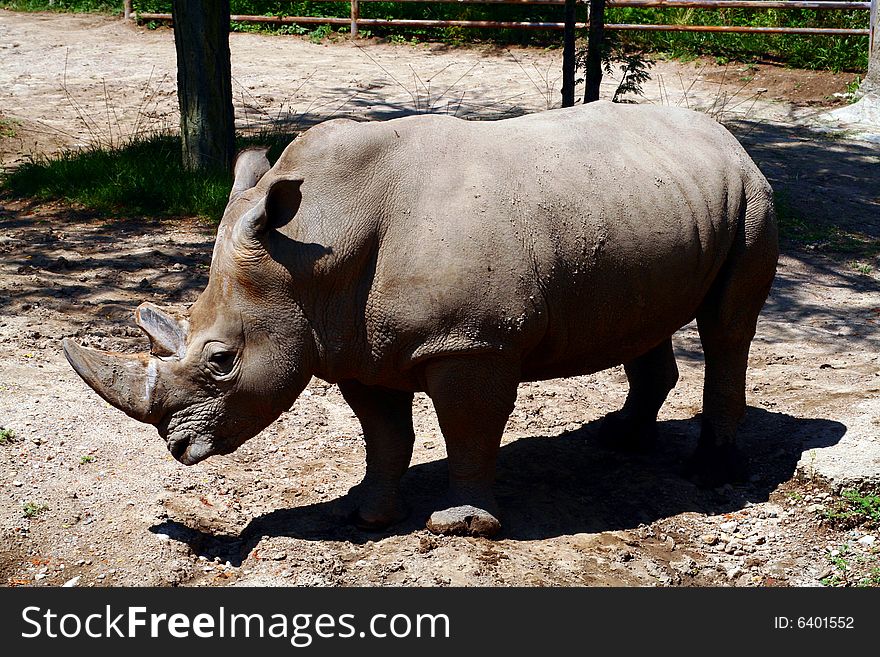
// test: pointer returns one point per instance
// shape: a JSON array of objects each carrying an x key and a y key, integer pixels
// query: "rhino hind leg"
[
  {"x": 473, "y": 397},
  {"x": 386, "y": 419},
  {"x": 726, "y": 320},
  {"x": 651, "y": 376}
]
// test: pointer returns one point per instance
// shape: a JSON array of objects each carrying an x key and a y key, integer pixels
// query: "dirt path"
[{"x": 108, "y": 505}]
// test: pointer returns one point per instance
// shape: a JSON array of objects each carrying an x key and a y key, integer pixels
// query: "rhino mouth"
[{"x": 190, "y": 447}]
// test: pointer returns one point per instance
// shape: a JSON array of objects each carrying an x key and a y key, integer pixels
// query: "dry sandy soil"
[{"x": 107, "y": 505}]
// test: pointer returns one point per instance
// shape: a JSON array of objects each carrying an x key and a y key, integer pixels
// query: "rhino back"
[{"x": 572, "y": 239}]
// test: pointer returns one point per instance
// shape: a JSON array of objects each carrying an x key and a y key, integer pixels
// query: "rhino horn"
[
  {"x": 167, "y": 334},
  {"x": 127, "y": 381}
]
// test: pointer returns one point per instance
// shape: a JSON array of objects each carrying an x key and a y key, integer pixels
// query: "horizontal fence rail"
[{"x": 355, "y": 21}]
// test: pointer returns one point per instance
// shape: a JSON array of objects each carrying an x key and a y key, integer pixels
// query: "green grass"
[
  {"x": 855, "y": 509},
  {"x": 145, "y": 176},
  {"x": 88, "y": 458},
  {"x": 7, "y": 436},
  {"x": 872, "y": 579},
  {"x": 142, "y": 177},
  {"x": 7, "y": 128},
  {"x": 33, "y": 509},
  {"x": 91, "y": 6}
]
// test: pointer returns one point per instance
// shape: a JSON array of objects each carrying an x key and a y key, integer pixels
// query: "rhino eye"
[{"x": 221, "y": 362}]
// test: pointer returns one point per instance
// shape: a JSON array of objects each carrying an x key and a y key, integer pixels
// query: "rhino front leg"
[
  {"x": 651, "y": 376},
  {"x": 386, "y": 418},
  {"x": 473, "y": 397}
]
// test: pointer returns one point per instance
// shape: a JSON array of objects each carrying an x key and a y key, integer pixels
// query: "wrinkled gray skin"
[{"x": 460, "y": 258}]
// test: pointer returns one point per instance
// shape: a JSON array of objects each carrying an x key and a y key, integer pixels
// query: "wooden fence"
[{"x": 355, "y": 21}]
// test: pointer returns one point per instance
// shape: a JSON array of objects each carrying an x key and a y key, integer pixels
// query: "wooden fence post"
[
  {"x": 872, "y": 39},
  {"x": 127, "y": 9},
  {"x": 355, "y": 15}
]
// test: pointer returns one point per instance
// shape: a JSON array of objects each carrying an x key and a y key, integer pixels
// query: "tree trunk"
[
  {"x": 204, "y": 83},
  {"x": 871, "y": 83},
  {"x": 568, "y": 67},
  {"x": 594, "y": 50}
]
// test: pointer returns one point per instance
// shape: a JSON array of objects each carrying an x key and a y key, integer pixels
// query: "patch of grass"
[
  {"x": 320, "y": 33},
  {"x": 7, "y": 436},
  {"x": 854, "y": 509},
  {"x": 144, "y": 176},
  {"x": 871, "y": 579},
  {"x": 33, "y": 509},
  {"x": 79, "y": 6},
  {"x": 88, "y": 458},
  {"x": 841, "y": 567},
  {"x": 862, "y": 268},
  {"x": 7, "y": 128}
]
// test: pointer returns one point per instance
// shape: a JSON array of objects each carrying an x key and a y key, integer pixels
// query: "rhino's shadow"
[{"x": 562, "y": 485}]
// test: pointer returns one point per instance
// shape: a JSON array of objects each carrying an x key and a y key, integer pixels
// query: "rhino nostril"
[{"x": 177, "y": 448}]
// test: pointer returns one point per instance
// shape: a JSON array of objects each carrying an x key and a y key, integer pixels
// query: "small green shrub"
[
  {"x": 33, "y": 509},
  {"x": 855, "y": 509}
]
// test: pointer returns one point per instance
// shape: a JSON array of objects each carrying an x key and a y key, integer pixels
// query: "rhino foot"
[
  {"x": 712, "y": 466},
  {"x": 373, "y": 508},
  {"x": 464, "y": 520},
  {"x": 626, "y": 432}
]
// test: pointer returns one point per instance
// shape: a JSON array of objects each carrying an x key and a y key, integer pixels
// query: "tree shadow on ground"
[
  {"x": 820, "y": 178},
  {"x": 557, "y": 486},
  {"x": 67, "y": 259}
]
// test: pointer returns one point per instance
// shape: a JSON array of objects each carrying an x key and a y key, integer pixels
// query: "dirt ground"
[{"x": 94, "y": 498}]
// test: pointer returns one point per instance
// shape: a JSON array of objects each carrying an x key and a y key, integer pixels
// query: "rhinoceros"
[{"x": 458, "y": 258}]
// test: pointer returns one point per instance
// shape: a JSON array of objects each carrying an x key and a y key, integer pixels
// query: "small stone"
[
  {"x": 101, "y": 576},
  {"x": 17, "y": 483},
  {"x": 728, "y": 527},
  {"x": 867, "y": 540},
  {"x": 40, "y": 576},
  {"x": 278, "y": 556},
  {"x": 360, "y": 563},
  {"x": 163, "y": 537},
  {"x": 709, "y": 539},
  {"x": 816, "y": 508},
  {"x": 429, "y": 444},
  {"x": 71, "y": 582},
  {"x": 463, "y": 520},
  {"x": 734, "y": 572}
]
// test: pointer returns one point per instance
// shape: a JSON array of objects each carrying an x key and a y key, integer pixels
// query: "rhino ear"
[
  {"x": 250, "y": 165},
  {"x": 280, "y": 205},
  {"x": 167, "y": 334}
]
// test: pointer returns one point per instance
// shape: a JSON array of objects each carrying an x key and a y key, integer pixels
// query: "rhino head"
[{"x": 212, "y": 381}]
